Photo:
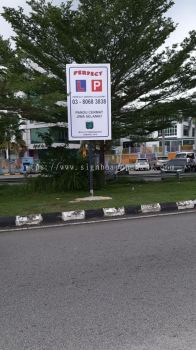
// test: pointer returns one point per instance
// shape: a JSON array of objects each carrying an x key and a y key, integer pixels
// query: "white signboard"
[{"x": 89, "y": 101}]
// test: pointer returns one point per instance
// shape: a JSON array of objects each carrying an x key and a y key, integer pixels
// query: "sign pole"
[
  {"x": 89, "y": 106},
  {"x": 90, "y": 160}
]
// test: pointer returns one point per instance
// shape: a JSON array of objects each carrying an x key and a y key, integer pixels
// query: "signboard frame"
[{"x": 89, "y": 82}]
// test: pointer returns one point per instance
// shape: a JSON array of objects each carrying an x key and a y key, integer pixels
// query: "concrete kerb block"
[
  {"x": 37, "y": 219},
  {"x": 34, "y": 219},
  {"x": 94, "y": 213},
  {"x": 7, "y": 221},
  {"x": 114, "y": 211},
  {"x": 182, "y": 205},
  {"x": 50, "y": 218},
  {"x": 73, "y": 215},
  {"x": 169, "y": 207},
  {"x": 150, "y": 208},
  {"x": 132, "y": 210}
]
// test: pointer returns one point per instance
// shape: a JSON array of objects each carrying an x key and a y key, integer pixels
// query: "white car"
[{"x": 142, "y": 164}]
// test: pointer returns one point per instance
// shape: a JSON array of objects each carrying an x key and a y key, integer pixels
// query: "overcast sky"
[{"x": 183, "y": 12}]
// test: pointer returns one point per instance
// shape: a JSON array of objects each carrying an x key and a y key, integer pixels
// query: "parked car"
[
  {"x": 191, "y": 156},
  {"x": 188, "y": 155},
  {"x": 142, "y": 164},
  {"x": 159, "y": 162},
  {"x": 177, "y": 165}
]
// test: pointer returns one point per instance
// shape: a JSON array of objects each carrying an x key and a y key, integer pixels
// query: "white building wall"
[{"x": 179, "y": 130}]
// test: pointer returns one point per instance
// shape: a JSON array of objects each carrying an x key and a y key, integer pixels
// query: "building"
[
  {"x": 34, "y": 132},
  {"x": 180, "y": 136}
]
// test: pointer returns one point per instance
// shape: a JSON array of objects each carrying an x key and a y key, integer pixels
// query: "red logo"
[{"x": 96, "y": 85}]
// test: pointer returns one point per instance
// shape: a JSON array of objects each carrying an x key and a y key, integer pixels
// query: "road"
[
  {"x": 13, "y": 179},
  {"x": 124, "y": 285}
]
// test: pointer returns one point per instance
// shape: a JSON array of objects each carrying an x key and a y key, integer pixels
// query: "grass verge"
[{"x": 18, "y": 200}]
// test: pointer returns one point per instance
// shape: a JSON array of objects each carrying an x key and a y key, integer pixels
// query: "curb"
[{"x": 81, "y": 215}]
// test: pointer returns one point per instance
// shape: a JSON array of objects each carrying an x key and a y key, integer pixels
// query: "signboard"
[{"x": 89, "y": 101}]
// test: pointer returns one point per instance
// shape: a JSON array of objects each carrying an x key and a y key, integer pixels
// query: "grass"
[{"x": 17, "y": 200}]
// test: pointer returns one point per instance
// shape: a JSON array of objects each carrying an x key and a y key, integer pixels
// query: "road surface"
[{"x": 126, "y": 285}]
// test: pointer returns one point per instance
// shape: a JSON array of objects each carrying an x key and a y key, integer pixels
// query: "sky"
[{"x": 183, "y": 13}]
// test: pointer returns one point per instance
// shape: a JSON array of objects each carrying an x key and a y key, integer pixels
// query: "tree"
[
  {"x": 7, "y": 83},
  {"x": 149, "y": 84},
  {"x": 10, "y": 132},
  {"x": 11, "y": 136},
  {"x": 24, "y": 92}
]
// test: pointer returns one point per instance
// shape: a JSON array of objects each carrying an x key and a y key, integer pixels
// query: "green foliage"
[
  {"x": 24, "y": 91},
  {"x": 63, "y": 169},
  {"x": 62, "y": 183},
  {"x": 10, "y": 133},
  {"x": 148, "y": 82}
]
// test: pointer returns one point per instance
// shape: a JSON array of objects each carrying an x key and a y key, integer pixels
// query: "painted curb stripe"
[
  {"x": 114, "y": 211},
  {"x": 150, "y": 208},
  {"x": 34, "y": 219},
  {"x": 171, "y": 206},
  {"x": 58, "y": 217},
  {"x": 182, "y": 205},
  {"x": 7, "y": 221},
  {"x": 52, "y": 217},
  {"x": 129, "y": 210},
  {"x": 73, "y": 215},
  {"x": 94, "y": 213}
]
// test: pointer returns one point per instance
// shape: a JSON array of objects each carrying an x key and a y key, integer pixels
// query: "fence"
[
  {"x": 131, "y": 157},
  {"x": 178, "y": 175},
  {"x": 12, "y": 166}
]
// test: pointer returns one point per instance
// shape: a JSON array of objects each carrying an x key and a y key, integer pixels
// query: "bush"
[{"x": 64, "y": 170}]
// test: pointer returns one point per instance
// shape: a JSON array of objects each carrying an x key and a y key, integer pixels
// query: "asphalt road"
[{"x": 125, "y": 285}]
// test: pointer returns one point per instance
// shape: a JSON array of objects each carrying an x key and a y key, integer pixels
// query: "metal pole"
[
  {"x": 194, "y": 146},
  {"x": 9, "y": 158},
  {"x": 90, "y": 160},
  {"x": 163, "y": 142}
]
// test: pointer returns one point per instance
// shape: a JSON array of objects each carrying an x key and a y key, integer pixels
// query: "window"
[
  {"x": 172, "y": 131},
  {"x": 36, "y": 134},
  {"x": 185, "y": 130},
  {"x": 58, "y": 134},
  {"x": 188, "y": 142}
]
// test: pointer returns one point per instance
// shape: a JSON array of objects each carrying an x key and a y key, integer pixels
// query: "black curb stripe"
[
  {"x": 51, "y": 217},
  {"x": 94, "y": 213},
  {"x": 7, "y": 221},
  {"x": 10, "y": 221},
  {"x": 172, "y": 206},
  {"x": 135, "y": 209}
]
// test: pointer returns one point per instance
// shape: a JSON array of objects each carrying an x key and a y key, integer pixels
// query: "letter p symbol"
[{"x": 96, "y": 85}]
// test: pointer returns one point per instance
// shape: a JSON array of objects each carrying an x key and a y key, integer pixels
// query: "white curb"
[
  {"x": 150, "y": 208},
  {"x": 114, "y": 211},
  {"x": 185, "y": 205},
  {"x": 73, "y": 215},
  {"x": 34, "y": 219}
]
